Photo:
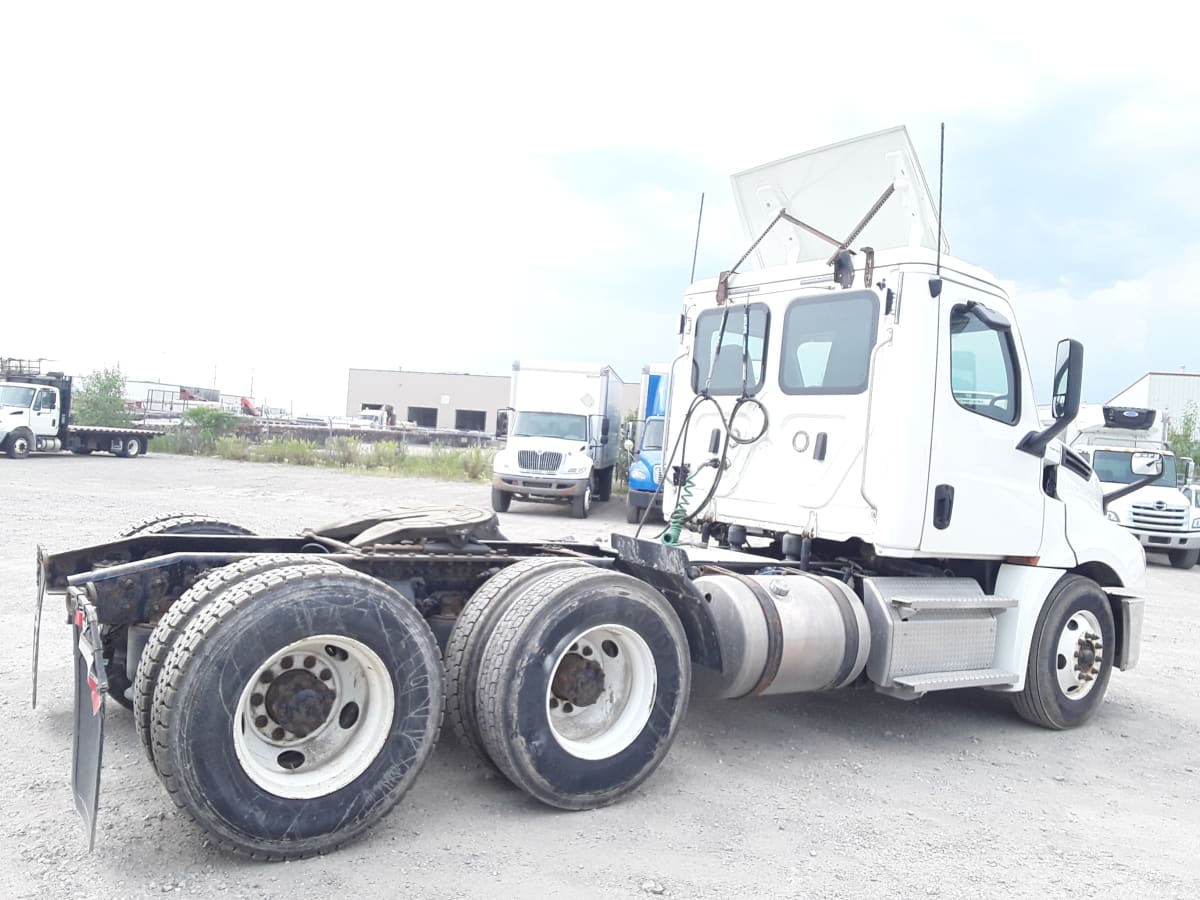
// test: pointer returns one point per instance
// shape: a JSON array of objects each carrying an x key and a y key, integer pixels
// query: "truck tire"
[
  {"x": 285, "y": 735},
  {"x": 113, "y": 638},
  {"x": 1184, "y": 559},
  {"x": 581, "y": 504},
  {"x": 20, "y": 443},
  {"x": 469, "y": 637},
  {"x": 604, "y": 483},
  {"x": 131, "y": 446},
  {"x": 166, "y": 632},
  {"x": 633, "y": 514},
  {"x": 182, "y": 523},
  {"x": 501, "y": 500},
  {"x": 1070, "y": 658},
  {"x": 582, "y": 687}
]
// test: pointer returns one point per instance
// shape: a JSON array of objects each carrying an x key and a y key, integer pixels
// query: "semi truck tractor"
[
  {"x": 35, "y": 417},
  {"x": 860, "y": 496},
  {"x": 561, "y": 426},
  {"x": 645, "y": 443},
  {"x": 1159, "y": 514}
]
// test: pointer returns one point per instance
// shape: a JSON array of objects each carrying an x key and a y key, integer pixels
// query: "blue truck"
[{"x": 645, "y": 444}]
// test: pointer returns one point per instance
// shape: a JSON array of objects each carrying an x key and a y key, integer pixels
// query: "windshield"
[
  {"x": 11, "y": 395},
  {"x": 1116, "y": 467},
  {"x": 652, "y": 438},
  {"x": 555, "y": 425}
]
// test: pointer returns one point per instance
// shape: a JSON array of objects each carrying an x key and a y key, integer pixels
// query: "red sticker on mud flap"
[
  {"x": 79, "y": 618},
  {"x": 96, "y": 698}
]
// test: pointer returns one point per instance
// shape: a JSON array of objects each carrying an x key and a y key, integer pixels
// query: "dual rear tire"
[{"x": 569, "y": 679}]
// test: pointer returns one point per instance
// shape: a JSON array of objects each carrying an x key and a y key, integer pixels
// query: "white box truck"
[
  {"x": 561, "y": 425},
  {"x": 1159, "y": 514}
]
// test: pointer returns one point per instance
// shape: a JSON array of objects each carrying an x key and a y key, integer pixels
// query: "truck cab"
[
  {"x": 645, "y": 442},
  {"x": 31, "y": 418}
]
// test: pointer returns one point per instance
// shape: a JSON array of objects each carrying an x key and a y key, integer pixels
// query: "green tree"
[
  {"x": 1184, "y": 434},
  {"x": 209, "y": 423},
  {"x": 100, "y": 400}
]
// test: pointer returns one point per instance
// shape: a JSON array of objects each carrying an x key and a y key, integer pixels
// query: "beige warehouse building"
[{"x": 451, "y": 400}]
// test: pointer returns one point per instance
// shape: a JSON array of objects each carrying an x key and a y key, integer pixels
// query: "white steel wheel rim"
[
  {"x": 21, "y": 444},
  {"x": 346, "y": 739},
  {"x": 611, "y": 723},
  {"x": 132, "y": 446},
  {"x": 1079, "y": 656}
]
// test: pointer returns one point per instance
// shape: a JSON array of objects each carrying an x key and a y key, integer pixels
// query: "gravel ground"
[{"x": 847, "y": 794}]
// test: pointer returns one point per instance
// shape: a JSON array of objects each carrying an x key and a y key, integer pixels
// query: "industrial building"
[{"x": 450, "y": 400}]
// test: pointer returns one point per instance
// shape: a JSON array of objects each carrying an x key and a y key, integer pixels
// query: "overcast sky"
[{"x": 264, "y": 195}]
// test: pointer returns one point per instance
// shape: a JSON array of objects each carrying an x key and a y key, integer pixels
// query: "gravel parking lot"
[{"x": 847, "y": 794}]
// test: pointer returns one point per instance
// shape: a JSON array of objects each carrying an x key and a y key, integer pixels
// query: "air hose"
[{"x": 678, "y": 514}]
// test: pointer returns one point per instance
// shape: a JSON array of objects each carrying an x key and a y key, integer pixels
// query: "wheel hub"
[
  {"x": 578, "y": 681},
  {"x": 299, "y": 702},
  {"x": 1080, "y": 658}
]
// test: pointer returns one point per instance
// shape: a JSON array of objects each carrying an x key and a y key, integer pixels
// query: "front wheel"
[
  {"x": 581, "y": 503},
  {"x": 1184, "y": 559},
  {"x": 501, "y": 500},
  {"x": 285, "y": 734},
  {"x": 582, "y": 687},
  {"x": 1071, "y": 657},
  {"x": 20, "y": 443}
]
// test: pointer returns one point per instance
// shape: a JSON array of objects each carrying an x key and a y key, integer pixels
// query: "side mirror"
[
  {"x": 501, "y": 423},
  {"x": 605, "y": 428},
  {"x": 1068, "y": 380},
  {"x": 1067, "y": 388},
  {"x": 1146, "y": 464},
  {"x": 628, "y": 446}
]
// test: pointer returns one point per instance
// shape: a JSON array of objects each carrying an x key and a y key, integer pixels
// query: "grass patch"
[{"x": 473, "y": 464}]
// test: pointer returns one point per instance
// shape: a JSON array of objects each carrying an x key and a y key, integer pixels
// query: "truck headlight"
[
  {"x": 576, "y": 465},
  {"x": 505, "y": 461},
  {"x": 1196, "y": 523},
  {"x": 1113, "y": 517}
]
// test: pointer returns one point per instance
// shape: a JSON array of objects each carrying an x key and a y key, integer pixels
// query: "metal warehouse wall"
[
  {"x": 1172, "y": 391},
  {"x": 455, "y": 399}
]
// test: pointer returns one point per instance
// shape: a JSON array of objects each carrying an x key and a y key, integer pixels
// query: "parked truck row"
[
  {"x": 35, "y": 417},
  {"x": 858, "y": 494}
]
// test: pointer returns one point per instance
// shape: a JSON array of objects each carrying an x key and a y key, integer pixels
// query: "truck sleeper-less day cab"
[
  {"x": 35, "y": 415},
  {"x": 876, "y": 504}
]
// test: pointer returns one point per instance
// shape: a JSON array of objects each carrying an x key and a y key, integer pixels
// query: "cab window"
[
  {"x": 827, "y": 343},
  {"x": 983, "y": 366},
  {"x": 736, "y": 336}
]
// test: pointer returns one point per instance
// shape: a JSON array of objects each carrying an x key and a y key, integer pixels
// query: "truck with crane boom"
[{"x": 859, "y": 494}]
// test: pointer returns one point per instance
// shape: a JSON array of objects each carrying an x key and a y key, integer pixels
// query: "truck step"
[
  {"x": 953, "y": 602},
  {"x": 945, "y": 681}
]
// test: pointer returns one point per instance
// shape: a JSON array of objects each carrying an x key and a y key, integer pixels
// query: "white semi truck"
[
  {"x": 562, "y": 427},
  {"x": 860, "y": 495},
  {"x": 1158, "y": 514}
]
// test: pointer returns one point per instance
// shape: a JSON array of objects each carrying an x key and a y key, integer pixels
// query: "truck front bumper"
[
  {"x": 540, "y": 487},
  {"x": 1167, "y": 540},
  {"x": 642, "y": 499}
]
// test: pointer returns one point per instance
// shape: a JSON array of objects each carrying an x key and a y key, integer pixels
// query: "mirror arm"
[
  {"x": 1128, "y": 489},
  {"x": 1036, "y": 442}
]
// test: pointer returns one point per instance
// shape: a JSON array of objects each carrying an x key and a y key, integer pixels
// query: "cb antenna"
[
  {"x": 696, "y": 247},
  {"x": 935, "y": 283}
]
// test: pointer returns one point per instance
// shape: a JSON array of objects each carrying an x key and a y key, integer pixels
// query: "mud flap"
[
  {"x": 91, "y": 685},
  {"x": 37, "y": 614}
]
